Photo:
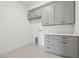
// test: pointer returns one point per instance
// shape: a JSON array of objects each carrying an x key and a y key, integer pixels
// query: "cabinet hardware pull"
[
  {"x": 63, "y": 22},
  {"x": 64, "y": 42},
  {"x": 48, "y": 36},
  {"x": 48, "y": 47},
  {"x": 48, "y": 41},
  {"x": 64, "y": 38},
  {"x": 46, "y": 23}
]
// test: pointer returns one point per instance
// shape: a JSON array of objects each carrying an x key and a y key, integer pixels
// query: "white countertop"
[{"x": 75, "y": 34}]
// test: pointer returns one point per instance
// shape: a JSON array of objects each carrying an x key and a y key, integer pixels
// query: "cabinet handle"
[
  {"x": 46, "y": 23},
  {"x": 64, "y": 42},
  {"x": 35, "y": 15},
  {"x": 48, "y": 41},
  {"x": 64, "y": 38},
  {"x": 48, "y": 47},
  {"x": 63, "y": 22},
  {"x": 48, "y": 36}
]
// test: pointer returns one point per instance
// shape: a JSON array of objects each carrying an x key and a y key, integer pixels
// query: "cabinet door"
[
  {"x": 49, "y": 48},
  {"x": 34, "y": 14},
  {"x": 71, "y": 49},
  {"x": 44, "y": 16},
  {"x": 30, "y": 15},
  {"x": 64, "y": 12},
  {"x": 48, "y": 15},
  {"x": 59, "y": 12},
  {"x": 58, "y": 47},
  {"x": 69, "y": 11},
  {"x": 37, "y": 13}
]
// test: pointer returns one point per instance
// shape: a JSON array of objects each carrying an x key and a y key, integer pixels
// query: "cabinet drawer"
[
  {"x": 69, "y": 38},
  {"x": 59, "y": 37},
  {"x": 49, "y": 48},
  {"x": 48, "y": 36},
  {"x": 71, "y": 43},
  {"x": 48, "y": 45},
  {"x": 66, "y": 42},
  {"x": 48, "y": 41}
]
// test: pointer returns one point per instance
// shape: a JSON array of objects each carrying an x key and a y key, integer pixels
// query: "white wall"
[
  {"x": 38, "y": 32},
  {"x": 15, "y": 29},
  {"x": 39, "y": 3},
  {"x": 76, "y": 29}
]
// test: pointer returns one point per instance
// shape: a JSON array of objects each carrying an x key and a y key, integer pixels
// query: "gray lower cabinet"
[
  {"x": 65, "y": 48},
  {"x": 58, "y": 47},
  {"x": 63, "y": 45},
  {"x": 71, "y": 49},
  {"x": 49, "y": 43}
]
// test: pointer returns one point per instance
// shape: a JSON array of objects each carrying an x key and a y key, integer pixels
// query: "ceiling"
[{"x": 30, "y": 4}]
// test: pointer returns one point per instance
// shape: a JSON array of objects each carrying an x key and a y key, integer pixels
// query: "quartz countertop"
[{"x": 74, "y": 34}]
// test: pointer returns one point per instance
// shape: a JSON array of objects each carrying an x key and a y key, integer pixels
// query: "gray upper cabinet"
[
  {"x": 44, "y": 16},
  {"x": 53, "y": 13},
  {"x": 59, "y": 12},
  {"x": 64, "y": 12},
  {"x": 69, "y": 12},
  {"x": 34, "y": 14},
  {"x": 48, "y": 15}
]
